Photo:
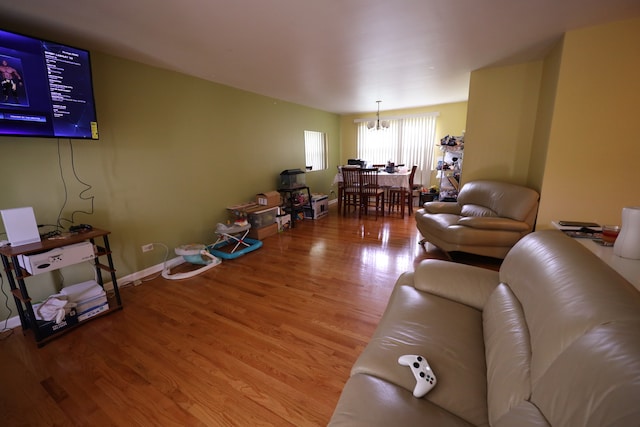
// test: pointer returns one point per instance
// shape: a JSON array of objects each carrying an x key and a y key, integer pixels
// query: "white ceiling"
[{"x": 335, "y": 55}]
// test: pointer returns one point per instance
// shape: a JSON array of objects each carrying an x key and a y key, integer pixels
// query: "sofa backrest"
[
  {"x": 496, "y": 198},
  {"x": 562, "y": 338}
]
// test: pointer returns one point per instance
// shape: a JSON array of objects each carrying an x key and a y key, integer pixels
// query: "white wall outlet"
[{"x": 148, "y": 247}]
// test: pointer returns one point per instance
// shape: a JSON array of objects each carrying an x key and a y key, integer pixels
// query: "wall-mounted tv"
[{"x": 47, "y": 90}]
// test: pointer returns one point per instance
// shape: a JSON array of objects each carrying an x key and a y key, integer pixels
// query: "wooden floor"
[{"x": 267, "y": 339}]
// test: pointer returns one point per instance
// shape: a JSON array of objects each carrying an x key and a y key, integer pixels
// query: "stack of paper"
[{"x": 89, "y": 296}]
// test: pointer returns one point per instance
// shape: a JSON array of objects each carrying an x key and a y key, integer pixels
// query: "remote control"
[{"x": 425, "y": 378}]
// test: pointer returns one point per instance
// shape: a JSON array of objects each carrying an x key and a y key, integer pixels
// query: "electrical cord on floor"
[
  {"x": 164, "y": 263},
  {"x": 138, "y": 282}
]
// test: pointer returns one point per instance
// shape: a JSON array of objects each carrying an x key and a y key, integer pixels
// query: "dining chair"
[
  {"x": 399, "y": 197},
  {"x": 340, "y": 188},
  {"x": 350, "y": 188},
  {"x": 370, "y": 190}
]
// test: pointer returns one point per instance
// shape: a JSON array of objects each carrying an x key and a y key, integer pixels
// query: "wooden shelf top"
[{"x": 52, "y": 243}]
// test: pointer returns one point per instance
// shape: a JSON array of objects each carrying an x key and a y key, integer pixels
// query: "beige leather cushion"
[
  {"x": 466, "y": 284},
  {"x": 525, "y": 414},
  {"x": 595, "y": 382},
  {"x": 583, "y": 320},
  {"x": 442, "y": 207},
  {"x": 439, "y": 221},
  {"x": 566, "y": 291},
  {"x": 505, "y": 199},
  {"x": 447, "y": 333},
  {"x": 508, "y": 353},
  {"x": 369, "y": 402},
  {"x": 476, "y": 210},
  {"x": 445, "y": 227},
  {"x": 494, "y": 223}
]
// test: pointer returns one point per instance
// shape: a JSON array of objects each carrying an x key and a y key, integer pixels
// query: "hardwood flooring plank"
[{"x": 267, "y": 339}]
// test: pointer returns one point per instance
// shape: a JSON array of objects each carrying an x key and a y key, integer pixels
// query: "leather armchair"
[{"x": 488, "y": 218}]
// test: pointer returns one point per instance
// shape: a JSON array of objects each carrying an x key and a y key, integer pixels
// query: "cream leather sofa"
[
  {"x": 488, "y": 218},
  {"x": 552, "y": 339}
]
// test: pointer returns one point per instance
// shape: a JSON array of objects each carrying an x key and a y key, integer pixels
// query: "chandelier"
[{"x": 378, "y": 124}]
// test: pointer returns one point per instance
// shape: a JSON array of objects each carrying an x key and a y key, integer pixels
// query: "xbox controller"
[{"x": 425, "y": 378}]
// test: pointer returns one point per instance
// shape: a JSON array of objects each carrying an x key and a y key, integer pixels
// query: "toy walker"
[
  {"x": 195, "y": 254},
  {"x": 210, "y": 256},
  {"x": 236, "y": 235}
]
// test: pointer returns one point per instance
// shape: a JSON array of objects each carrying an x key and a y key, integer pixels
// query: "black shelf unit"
[
  {"x": 16, "y": 277},
  {"x": 290, "y": 204}
]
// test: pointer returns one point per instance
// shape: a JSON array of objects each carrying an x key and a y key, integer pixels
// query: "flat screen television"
[{"x": 47, "y": 89}]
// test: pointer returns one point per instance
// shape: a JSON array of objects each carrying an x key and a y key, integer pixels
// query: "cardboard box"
[
  {"x": 270, "y": 198},
  {"x": 262, "y": 232},
  {"x": 240, "y": 211},
  {"x": 48, "y": 328},
  {"x": 319, "y": 207}
]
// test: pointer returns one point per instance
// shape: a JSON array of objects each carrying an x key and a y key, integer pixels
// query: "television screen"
[{"x": 47, "y": 89}]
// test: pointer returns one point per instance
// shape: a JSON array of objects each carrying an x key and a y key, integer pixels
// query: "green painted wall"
[{"x": 174, "y": 152}]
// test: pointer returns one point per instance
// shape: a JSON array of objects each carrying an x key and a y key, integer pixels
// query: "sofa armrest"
[
  {"x": 462, "y": 283},
  {"x": 493, "y": 223},
  {"x": 442, "y": 207}
]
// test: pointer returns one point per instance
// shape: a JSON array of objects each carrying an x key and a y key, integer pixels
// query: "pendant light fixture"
[{"x": 378, "y": 124}]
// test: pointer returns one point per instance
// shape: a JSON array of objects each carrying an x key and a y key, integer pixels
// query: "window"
[
  {"x": 408, "y": 140},
  {"x": 315, "y": 150}
]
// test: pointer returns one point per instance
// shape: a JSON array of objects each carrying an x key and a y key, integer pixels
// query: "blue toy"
[
  {"x": 233, "y": 234},
  {"x": 210, "y": 256}
]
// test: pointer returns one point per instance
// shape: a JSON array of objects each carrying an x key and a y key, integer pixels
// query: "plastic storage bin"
[{"x": 262, "y": 218}]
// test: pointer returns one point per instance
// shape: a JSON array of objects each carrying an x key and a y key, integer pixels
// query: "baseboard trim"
[
  {"x": 14, "y": 322},
  {"x": 140, "y": 275}
]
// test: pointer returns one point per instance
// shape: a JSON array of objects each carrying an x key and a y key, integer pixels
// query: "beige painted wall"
[
  {"x": 544, "y": 117},
  {"x": 174, "y": 151},
  {"x": 501, "y": 122},
  {"x": 451, "y": 121},
  {"x": 591, "y": 171},
  {"x": 564, "y": 126}
]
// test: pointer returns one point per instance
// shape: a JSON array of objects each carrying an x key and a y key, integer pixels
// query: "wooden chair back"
[
  {"x": 369, "y": 180},
  {"x": 412, "y": 176},
  {"x": 350, "y": 178}
]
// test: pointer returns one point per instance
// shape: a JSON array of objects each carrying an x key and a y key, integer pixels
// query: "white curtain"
[
  {"x": 408, "y": 140},
  {"x": 315, "y": 150}
]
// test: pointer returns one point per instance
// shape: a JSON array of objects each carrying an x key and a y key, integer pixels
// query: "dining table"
[{"x": 385, "y": 179}]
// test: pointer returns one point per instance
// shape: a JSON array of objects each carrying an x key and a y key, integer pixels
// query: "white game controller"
[{"x": 425, "y": 378}]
